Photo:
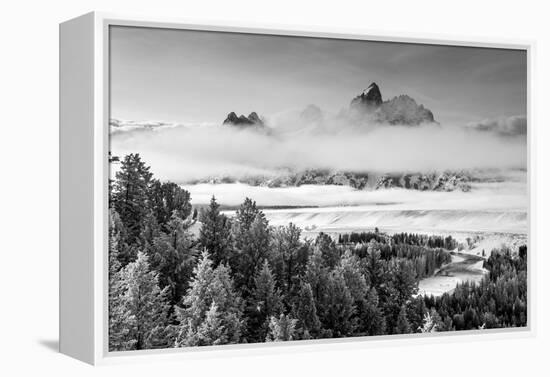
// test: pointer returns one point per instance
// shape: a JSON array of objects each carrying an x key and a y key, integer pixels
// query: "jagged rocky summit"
[
  {"x": 370, "y": 99},
  {"x": 243, "y": 121},
  {"x": 400, "y": 110}
]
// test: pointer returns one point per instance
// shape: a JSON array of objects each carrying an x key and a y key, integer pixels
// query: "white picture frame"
[{"x": 84, "y": 120}]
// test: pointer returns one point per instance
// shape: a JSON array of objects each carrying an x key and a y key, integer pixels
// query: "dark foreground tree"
[
  {"x": 264, "y": 302},
  {"x": 251, "y": 238},
  {"x": 288, "y": 256},
  {"x": 304, "y": 310},
  {"x": 372, "y": 320},
  {"x": 173, "y": 255},
  {"x": 130, "y": 194},
  {"x": 339, "y": 306},
  {"x": 215, "y": 233},
  {"x": 168, "y": 198},
  {"x": 403, "y": 326}
]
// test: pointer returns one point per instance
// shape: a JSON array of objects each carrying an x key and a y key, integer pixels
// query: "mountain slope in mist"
[
  {"x": 252, "y": 120},
  {"x": 444, "y": 181},
  {"x": 370, "y": 144},
  {"x": 400, "y": 110}
]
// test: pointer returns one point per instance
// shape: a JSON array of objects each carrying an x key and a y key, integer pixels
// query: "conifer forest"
[{"x": 182, "y": 276}]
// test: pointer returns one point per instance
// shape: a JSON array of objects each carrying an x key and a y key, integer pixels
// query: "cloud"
[
  {"x": 489, "y": 196},
  {"x": 188, "y": 153},
  {"x": 505, "y": 126}
]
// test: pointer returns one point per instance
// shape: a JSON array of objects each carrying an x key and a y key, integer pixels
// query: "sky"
[{"x": 187, "y": 76}]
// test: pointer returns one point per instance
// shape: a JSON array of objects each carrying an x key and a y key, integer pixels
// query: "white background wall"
[{"x": 29, "y": 188}]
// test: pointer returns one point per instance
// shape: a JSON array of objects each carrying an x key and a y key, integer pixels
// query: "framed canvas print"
[{"x": 240, "y": 190}]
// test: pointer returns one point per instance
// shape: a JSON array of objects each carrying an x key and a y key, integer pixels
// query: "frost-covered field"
[
  {"x": 488, "y": 208},
  {"x": 342, "y": 219}
]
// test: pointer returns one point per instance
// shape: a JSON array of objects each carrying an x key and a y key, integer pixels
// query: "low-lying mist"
[
  {"x": 488, "y": 196},
  {"x": 188, "y": 153}
]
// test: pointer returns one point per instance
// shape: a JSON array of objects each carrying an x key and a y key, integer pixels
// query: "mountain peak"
[
  {"x": 371, "y": 98},
  {"x": 373, "y": 92},
  {"x": 402, "y": 110},
  {"x": 251, "y": 120}
]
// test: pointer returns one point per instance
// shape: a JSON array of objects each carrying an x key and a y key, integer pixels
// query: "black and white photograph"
[{"x": 269, "y": 188}]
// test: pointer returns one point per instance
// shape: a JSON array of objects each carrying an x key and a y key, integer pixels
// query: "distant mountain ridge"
[
  {"x": 369, "y": 105},
  {"x": 445, "y": 181},
  {"x": 400, "y": 110}
]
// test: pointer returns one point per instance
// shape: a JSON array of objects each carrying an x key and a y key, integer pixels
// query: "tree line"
[
  {"x": 180, "y": 277},
  {"x": 433, "y": 241}
]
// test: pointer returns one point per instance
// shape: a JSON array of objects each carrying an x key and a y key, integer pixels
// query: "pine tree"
[
  {"x": 264, "y": 302},
  {"x": 215, "y": 233},
  {"x": 211, "y": 331},
  {"x": 351, "y": 271},
  {"x": 416, "y": 309},
  {"x": 124, "y": 252},
  {"x": 130, "y": 194},
  {"x": 150, "y": 231},
  {"x": 404, "y": 280},
  {"x": 317, "y": 276},
  {"x": 246, "y": 214},
  {"x": 173, "y": 255},
  {"x": 120, "y": 319},
  {"x": 288, "y": 256},
  {"x": 210, "y": 287},
  {"x": 167, "y": 198},
  {"x": 390, "y": 299},
  {"x": 338, "y": 305},
  {"x": 374, "y": 266},
  {"x": 115, "y": 239},
  {"x": 305, "y": 312},
  {"x": 258, "y": 246},
  {"x": 372, "y": 319},
  {"x": 145, "y": 302},
  {"x": 281, "y": 329},
  {"x": 402, "y": 326},
  {"x": 328, "y": 249},
  {"x": 251, "y": 237}
]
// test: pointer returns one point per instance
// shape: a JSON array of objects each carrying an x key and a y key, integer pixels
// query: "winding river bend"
[{"x": 463, "y": 267}]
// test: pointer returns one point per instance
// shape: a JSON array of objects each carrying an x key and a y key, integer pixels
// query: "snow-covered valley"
[{"x": 488, "y": 217}]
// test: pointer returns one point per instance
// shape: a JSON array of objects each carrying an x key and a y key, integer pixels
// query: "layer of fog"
[
  {"x": 499, "y": 207},
  {"x": 505, "y": 126},
  {"x": 508, "y": 196},
  {"x": 188, "y": 153}
]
